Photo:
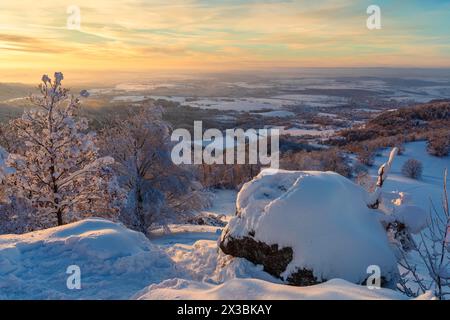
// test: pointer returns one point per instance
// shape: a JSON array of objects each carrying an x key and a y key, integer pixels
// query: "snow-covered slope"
[
  {"x": 429, "y": 187},
  {"x": 254, "y": 289},
  {"x": 115, "y": 262}
]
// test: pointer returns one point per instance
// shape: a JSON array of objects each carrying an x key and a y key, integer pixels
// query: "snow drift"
[
  {"x": 115, "y": 262},
  {"x": 255, "y": 289},
  {"x": 308, "y": 227}
]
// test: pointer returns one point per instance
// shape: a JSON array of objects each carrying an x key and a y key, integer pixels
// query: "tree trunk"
[
  {"x": 60, "y": 219},
  {"x": 140, "y": 210}
]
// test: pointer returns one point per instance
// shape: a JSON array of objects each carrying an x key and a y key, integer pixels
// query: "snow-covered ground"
[
  {"x": 114, "y": 262},
  {"x": 255, "y": 289},
  {"x": 246, "y": 104},
  {"x": 117, "y": 263},
  {"x": 428, "y": 188}
]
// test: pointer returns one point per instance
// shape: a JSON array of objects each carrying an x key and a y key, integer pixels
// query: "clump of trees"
[
  {"x": 429, "y": 121},
  {"x": 322, "y": 160},
  {"x": 439, "y": 144},
  {"x": 433, "y": 251},
  {"x": 55, "y": 170},
  {"x": 412, "y": 168}
]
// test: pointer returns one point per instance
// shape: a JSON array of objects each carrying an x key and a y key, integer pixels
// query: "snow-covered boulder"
[
  {"x": 114, "y": 262},
  {"x": 307, "y": 228}
]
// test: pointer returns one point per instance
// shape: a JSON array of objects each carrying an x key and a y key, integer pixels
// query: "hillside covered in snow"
[{"x": 117, "y": 263}]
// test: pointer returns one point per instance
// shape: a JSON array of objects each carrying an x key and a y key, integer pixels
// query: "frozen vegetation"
[{"x": 114, "y": 261}]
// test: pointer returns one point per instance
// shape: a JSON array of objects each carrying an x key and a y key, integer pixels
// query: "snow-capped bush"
[
  {"x": 412, "y": 168},
  {"x": 158, "y": 191},
  {"x": 58, "y": 169},
  {"x": 308, "y": 227}
]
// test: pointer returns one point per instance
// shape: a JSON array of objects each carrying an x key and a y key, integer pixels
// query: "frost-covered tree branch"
[
  {"x": 433, "y": 250},
  {"x": 58, "y": 168}
]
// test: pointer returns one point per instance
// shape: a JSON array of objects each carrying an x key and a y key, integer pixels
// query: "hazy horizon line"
[{"x": 114, "y": 77}]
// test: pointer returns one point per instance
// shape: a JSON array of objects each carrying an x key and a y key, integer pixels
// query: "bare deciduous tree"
[
  {"x": 158, "y": 190},
  {"x": 433, "y": 250},
  {"x": 412, "y": 168}
]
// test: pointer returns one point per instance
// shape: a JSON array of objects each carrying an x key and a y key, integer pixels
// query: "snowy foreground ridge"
[{"x": 117, "y": 263}]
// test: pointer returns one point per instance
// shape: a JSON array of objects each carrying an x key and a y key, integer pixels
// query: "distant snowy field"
[
  {"x": 429, "y": 187},
  {"x": 305, "y": 90},
  {"x": 117, "y": 263}
]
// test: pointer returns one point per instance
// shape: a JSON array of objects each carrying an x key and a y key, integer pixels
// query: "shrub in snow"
[
  {"x": 366, "y": 157},
  {"x": 58, "y": 169},
  {"x": 307, "y": 227},
  {"x": 362, "y": 177},
  {"x": 323, "y": 160},
  {"x": 412, "y": 168}
]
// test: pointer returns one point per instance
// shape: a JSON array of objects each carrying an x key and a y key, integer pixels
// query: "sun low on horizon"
[{"x": 102, "y": 37}]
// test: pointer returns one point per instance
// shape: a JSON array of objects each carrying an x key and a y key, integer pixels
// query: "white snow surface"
[
  {"x": 424, "y": 190},
  {"x": 115, "y": 262},
  {"x": 322, "y": 216},
  {"x": 255, "y": 289}
]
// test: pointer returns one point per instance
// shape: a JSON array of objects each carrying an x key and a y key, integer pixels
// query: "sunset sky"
[{"x": 120, "y": 36}]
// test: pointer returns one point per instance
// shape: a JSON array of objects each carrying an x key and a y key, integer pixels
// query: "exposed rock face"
[
  {"x": 307, "y": 228},
  {"x": 274, "y": 260}
]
